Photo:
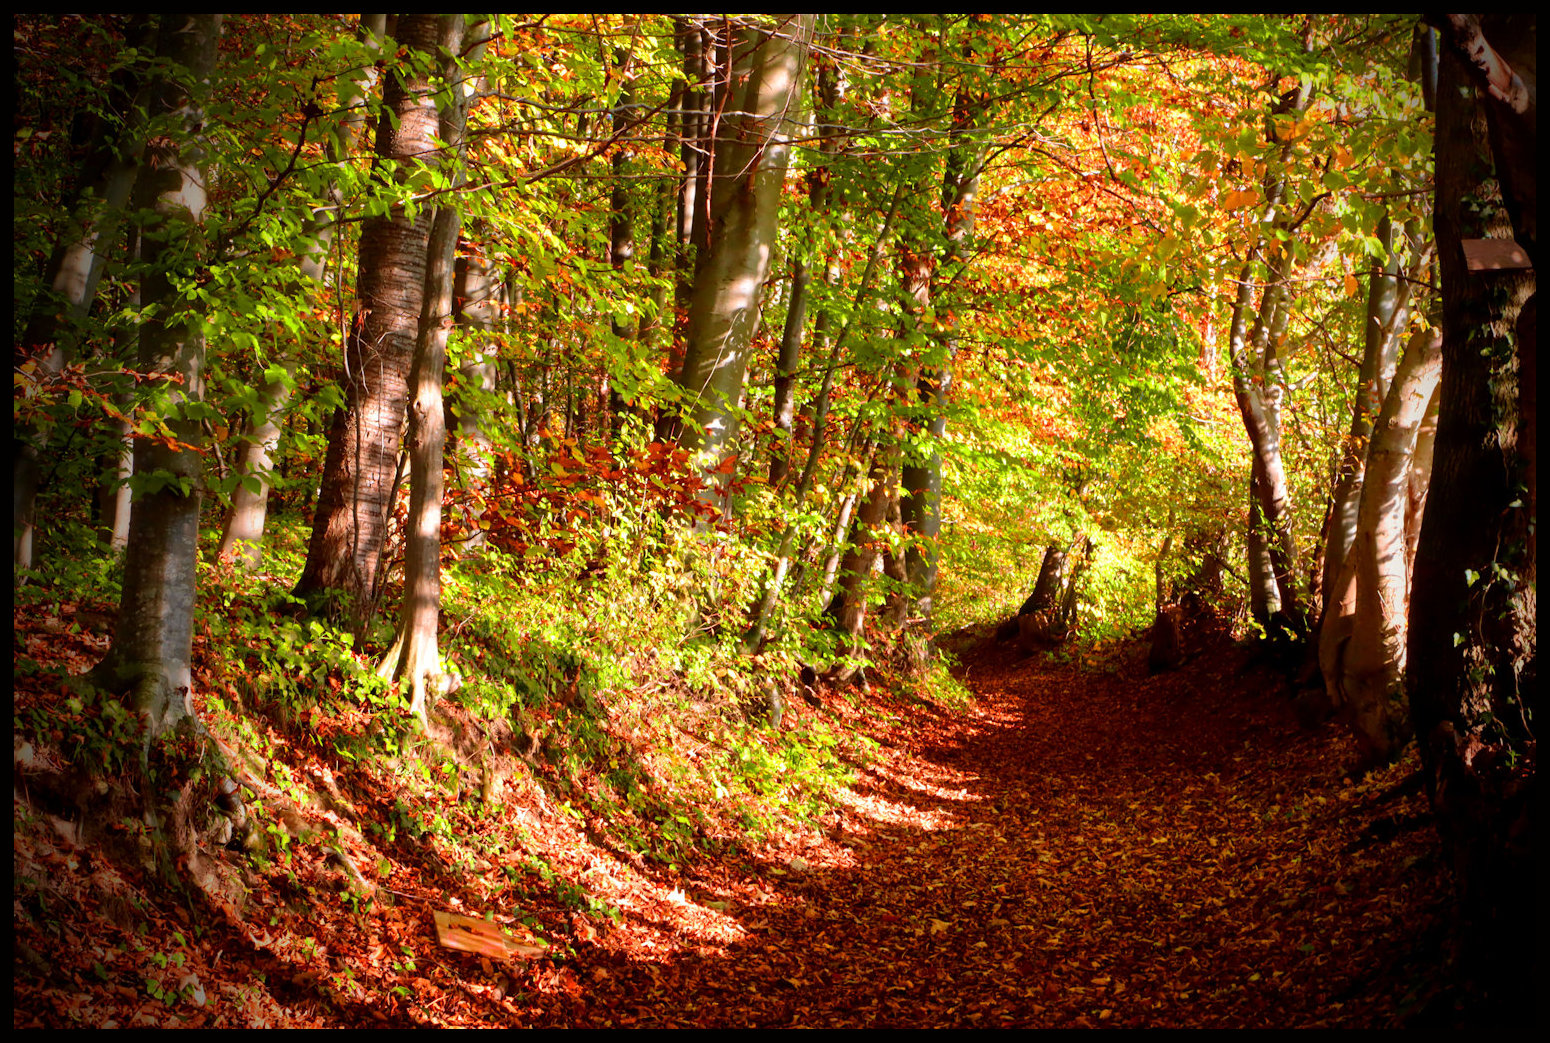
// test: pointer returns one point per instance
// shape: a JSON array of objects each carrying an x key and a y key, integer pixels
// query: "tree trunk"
[
  {"x": 621, "y": 248},
  {"x": 1039, "y": 621},
  {"x": 478, "y": 301},
  {"x": 242, "y": 529},
  {"x": 415, "y": 657},
  {"x": 1069, "y": 600},
  {"x": 349, "y": 528},
  {"x": 820, "y": 421},
  {"x": 848, "y": 609},
  {"x": 831, "y": 564},
  {"x": 1256, "y": 387},
  {"x": 1420, "y": 476},
  {"x": 153, "y": 640},
  {"x": 117, "y": 499},
  {"x": 786, "y": 360},
  {"x": 1264, "y": 595},
  {"x": 1471, "y": 671},
  {"x": 921, "y": 505},
  {"x": 749, "y": 169},
  {"x": 1260, "y": 406},
  {"x": 71, "y": 274},
  {"x": 1386, "y": 312},
  {"x": 1373, "y": 664},
  {"x": 796, "y": 310},
  {"x": 1046, "y": 589}
]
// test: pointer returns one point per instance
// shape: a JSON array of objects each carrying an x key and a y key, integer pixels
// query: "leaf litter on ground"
[{"x": 1075, "y": 848}]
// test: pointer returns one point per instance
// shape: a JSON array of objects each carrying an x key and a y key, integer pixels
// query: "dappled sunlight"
[{"x": 832, "y": 521}]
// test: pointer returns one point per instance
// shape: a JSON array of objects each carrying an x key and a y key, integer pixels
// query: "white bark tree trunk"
[
  {"x": 1387, "y": 300},
  {"x": 1373, "y": 666}
]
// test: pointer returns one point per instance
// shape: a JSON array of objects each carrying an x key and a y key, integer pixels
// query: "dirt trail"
[{"x": 1083, "y": 848}]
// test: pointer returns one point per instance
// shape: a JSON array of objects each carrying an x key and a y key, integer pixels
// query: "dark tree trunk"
[
  {"x": 1046, "y": 589},
  {"x": 1471, "y": 674}
]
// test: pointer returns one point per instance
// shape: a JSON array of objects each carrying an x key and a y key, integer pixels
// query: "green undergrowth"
[{"x": 610, "y": 696}]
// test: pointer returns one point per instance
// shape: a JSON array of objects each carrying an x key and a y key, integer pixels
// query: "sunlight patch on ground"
[{"x": 894, "y": 813}]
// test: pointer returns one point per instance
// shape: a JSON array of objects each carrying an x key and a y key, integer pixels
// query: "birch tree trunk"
[
  {"x": 1259, "y": 403},
  {"x": 1420, "y": 476},
  {"x": 1264, "y": 595},
  {"x": 1256, "y": 387},
  {"x": 1373, "y": 665},
  {"x": 117, "y": 499},
  {"x": 1387, "y": 299}
]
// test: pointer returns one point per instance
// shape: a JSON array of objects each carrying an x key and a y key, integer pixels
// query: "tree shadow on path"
[{"x": 1081, "y": 848}]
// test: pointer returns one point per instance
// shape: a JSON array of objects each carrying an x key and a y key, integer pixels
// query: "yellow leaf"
[{"x": 1352, "y": 287}]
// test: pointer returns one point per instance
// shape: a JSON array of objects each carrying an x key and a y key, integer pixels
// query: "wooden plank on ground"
[{"x": 469, "y": 934}]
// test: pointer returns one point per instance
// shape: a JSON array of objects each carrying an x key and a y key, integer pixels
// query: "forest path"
[{"x": 1081, "y": 848}]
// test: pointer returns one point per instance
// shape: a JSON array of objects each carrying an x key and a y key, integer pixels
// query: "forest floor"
[{"x": 1084, "y": 845}]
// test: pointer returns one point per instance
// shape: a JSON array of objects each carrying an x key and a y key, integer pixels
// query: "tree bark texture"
[
  {"x": 349, "y": 528},
  {"x": 1046, "y": 589},
  {"x": 1259, "y": 403},
  {"x": 1471, "y": 672},
  {"x": 116, "y": 494},
  {"x": 1386, "y": 311},
  {"x": 748, "y": 169},
  {"x": 415, "y": 656},
  {"x": 784, "y": 448},
  {"x": 153, "y": 640},
  {"x": 1255, "y": 380},
  {"x": 1264, "y": 595},
  {"x": 1373, "y": 664}
]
